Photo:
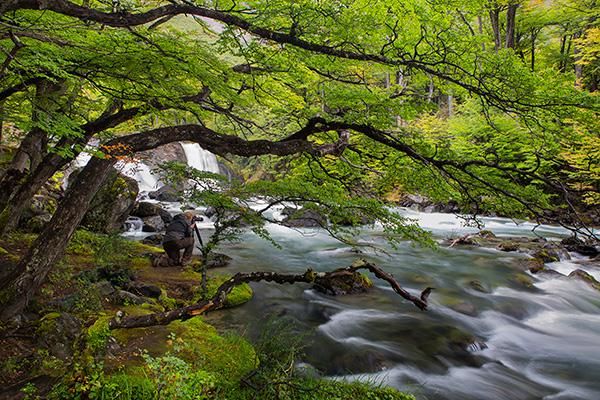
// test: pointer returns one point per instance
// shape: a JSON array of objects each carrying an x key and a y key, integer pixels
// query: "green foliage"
[
  {"x": 342, "y": 211},
  {"x": 98, "y": 334}
]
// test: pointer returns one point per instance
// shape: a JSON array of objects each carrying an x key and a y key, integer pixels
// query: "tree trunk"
[
  {"x": 480, "y": 26},
  {"x": 21, "y": 198},
  {"x": 510, "y": 25},
  {"x": 562, "y": 65},
  {"x": 32, "y": 270},
  {"x": 1, "y": 120},
  {"x": 495, "y": 20},
  {"x": 533, "y": 38},
  {"x": 577, "y": 65},
  {"x": 33, "y": 146}
]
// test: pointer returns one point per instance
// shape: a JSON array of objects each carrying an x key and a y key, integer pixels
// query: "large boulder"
[
  {"x": 146, "y": 209},
  {"x": 36, "y": 224},
  {"x": 112, "y": 204},
  {"x": 342, "y": 282},
  {"x": 166, "y": 193},
  {"x": 168, "y": 152},
  {"x": 580, "y": 246},
  {"x": 153, "y": 224},
  {"x": 57, "y": 332},
  {"x": 42, "y": 206},
  {"x": 302, "y": 218}
]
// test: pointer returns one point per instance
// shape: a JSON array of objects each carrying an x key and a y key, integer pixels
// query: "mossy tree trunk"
[{"x": 32, "y": 270}]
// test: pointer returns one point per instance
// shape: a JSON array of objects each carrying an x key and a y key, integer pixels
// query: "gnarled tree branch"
[{"x": 218, "y": 300}]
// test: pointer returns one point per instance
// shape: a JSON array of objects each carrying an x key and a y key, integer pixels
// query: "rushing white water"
[
  {"x": 525, "y": 337},
  {"x": 197, "y": 157}
]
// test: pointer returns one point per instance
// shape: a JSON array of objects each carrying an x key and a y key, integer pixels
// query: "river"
[
  {"x": 492, "y": 330},
  {"x": 522, "y": 337}
]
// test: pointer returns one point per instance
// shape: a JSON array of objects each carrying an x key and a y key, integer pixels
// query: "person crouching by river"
[{"x": 180, "y": 235}]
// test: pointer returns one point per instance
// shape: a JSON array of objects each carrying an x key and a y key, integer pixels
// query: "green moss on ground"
[
  {"x": 183, "y": 360},
  {"x": 229, "y": 357}
]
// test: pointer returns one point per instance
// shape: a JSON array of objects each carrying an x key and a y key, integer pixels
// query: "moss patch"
[{"x": 230, "y": 356}]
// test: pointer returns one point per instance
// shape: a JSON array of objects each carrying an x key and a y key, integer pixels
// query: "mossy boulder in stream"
[
  {"x": 343, "y": 282},
  {"x": 583, "y": 276}
]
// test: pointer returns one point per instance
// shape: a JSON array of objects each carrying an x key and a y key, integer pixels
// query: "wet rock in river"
[
  {"x": 478, "y": 286},
  {"x": 583, "y": 276},
  {"x": 580, "y": 246},
  {"x": 165, "y": 193},
  {"x": 465, "y": 308},
  {"x": 508, "y": 246},
  {"x": 302, "y": 218},
  {"x": 146, "y": 209},
  {"x": 343, "y": 282},
  {"x": 153, "y": 224},
  {"x": 550, "y": 253}
]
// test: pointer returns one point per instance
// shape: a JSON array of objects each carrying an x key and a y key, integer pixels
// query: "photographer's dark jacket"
[{"x": 178, "y": 229}]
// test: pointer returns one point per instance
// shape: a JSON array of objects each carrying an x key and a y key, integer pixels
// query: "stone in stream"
[
  {"x": 466, "y": 308},
  {"x": 508, "y": 246},
  {"x": 478, "y": 286},
  {"x": 550, "y": 252},
  {"x": 165, "y": 193},
  {"x": 146, "y": 209},
  {"x": 301, "y": 218},
  {"x": 153, "y": 224},
  {"x": 583, "y": 276},
  {"x": 342, "y": 283},
  {"x": 577, "y": 245}
]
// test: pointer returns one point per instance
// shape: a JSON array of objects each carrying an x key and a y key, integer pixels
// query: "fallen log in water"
[{"x": 216, "y": 302}]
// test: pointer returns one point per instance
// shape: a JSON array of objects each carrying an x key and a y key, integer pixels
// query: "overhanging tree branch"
[{"x": 470, "y": 81}]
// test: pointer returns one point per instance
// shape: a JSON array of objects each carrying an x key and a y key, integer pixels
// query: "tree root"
[{"x": 217, "y": 301}]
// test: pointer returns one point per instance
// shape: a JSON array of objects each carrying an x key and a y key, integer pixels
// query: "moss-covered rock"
[
  {"x": 343, "y": 282},
  {"x": 57, "y": 333},
  {"x": 112, "y": 204},
  {"x": 583, "y": 276}
]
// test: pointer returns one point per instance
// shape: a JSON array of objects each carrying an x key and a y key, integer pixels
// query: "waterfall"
[
  {"x": 142, "y": 173},
  {"x": 199, "y": 158}
]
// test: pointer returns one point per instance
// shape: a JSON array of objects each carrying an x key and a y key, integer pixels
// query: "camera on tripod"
[{"x": 197, "y": 218}]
